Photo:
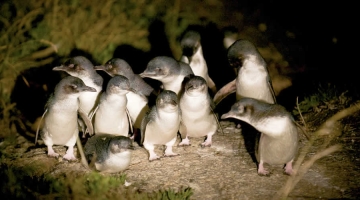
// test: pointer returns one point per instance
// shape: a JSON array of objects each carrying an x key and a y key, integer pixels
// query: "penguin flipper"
[
  {"x": 217, "y": 120},
  {"x": 211, "y": 85},
  {"x": 225, "y": 91},
  {"x": 87, "y": 122},
  {"x": 38, "y": 128},
  {"x": 271, "y": 89},
  {"x": 144, "y": 123},
  {"x": 183, "y": 132},
  {"x": 130, "y": 122}
]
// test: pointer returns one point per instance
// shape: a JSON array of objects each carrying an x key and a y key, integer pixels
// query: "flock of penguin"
[{"x": 183, "y": 105}]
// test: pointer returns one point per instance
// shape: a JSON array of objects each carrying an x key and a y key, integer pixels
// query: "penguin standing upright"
[
  {"x": 111, "y": 116},
  {"x": 192, "y": 54},
  {"x": 253, "y": 78},
  {"x": 169, "y": 71},
  {"x": 278, "y": 143},
  {"x": 82, "y": 68},
  {"x": 60, "y": 118},
  {"x": 161, "y": 124},
  {"x": 137, "y": 98},
  {"x": 198, "y": 118}
]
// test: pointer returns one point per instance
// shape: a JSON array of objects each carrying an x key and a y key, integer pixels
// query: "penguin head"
[
  {"x": 167, "y": 100},
  {"x": 240, "y": 51},
  {"x": 161, "y": 67},
  {"x": 195, "y": 85},
  {"x": 72, "y": 85},
  {"x": 241, "y": 110},
  {"x": 116, "y": 66},
  {"x": 119, "y": 144},
  {"x": 78, "y": 66},
  {"x": 118, "y": 85},
  {"x": 190, "y": 43}
]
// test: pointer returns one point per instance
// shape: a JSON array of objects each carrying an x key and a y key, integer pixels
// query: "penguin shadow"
[
  {"x": 251, "y": 139},
  {"x": 33, "y": 87}
]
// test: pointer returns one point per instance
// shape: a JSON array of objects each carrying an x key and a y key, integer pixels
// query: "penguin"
[
  {"x": 169, "y": 71},
  {"x": 111, "y": 115},
  {"x": 82, "y": 68},
  {"x": 137, "y": 98},
  {"x": 198, "y": 118},
  {"x": 108, "y": 153},
  {"x": 231, "y": 34},
  {"x": 252, "y": 79},
  {"x": 192, "y": 54},
  {"x": 60, "y": 125},
  {"x": 161, "y": 124},
  {"x": 278, "y": 142},
  {"x": 117, "y": 66}
]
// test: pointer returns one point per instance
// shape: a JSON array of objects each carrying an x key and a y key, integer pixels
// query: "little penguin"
[
  {"x": 278, "y": 142},
  {"x": 82, "y": 68},
  {"x": 192, "y": 54},
  {"x": 60, "y": 118},
  {"x": 169, "y": 71},
  {"x": 161, "y": 124},
  {"x": 117, "y": 66},
  {"x": 109, "y": 153},
  {"x": 137, "y": 98},
  {"x": 198, "y": 118},
  {"x": 111, "y": 115},
  {"x": 252, "y": 79}
]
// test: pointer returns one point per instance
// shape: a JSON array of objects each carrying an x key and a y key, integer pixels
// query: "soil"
[{"x": 226, "y": 170}]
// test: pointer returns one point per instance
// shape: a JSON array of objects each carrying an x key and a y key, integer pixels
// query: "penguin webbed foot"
[
  {"x": 262, "y": 171},
  {"x": 54, "y": 155},
  {"x": 153, "y": 158},
  {"x": 69, "y": 157},
  {"x": 207, "y": 142},
  {"x": 184, "y": 142},
  {"x": 51, "y": 152},
  {"x": 169, "y": 152},
  {"x": 288, "y": 170}
]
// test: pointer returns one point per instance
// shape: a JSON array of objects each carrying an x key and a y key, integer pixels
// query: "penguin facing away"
[
  {"x": 192, "y": 54},
  {"x": 278, "y": 142},
  {"x": 109, "y": 153},
  {"x": 161, "y": 124},
  {"x": 198, "y": 118},
  {"x": 111, "y": 115},
  {"x": 252, "y": 79},
  {"x": 60, "y": 126}
]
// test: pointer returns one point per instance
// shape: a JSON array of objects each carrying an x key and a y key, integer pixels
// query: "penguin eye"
[{"x": 71, "y": 66}]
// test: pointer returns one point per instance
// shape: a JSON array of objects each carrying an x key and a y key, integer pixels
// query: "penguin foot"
[
  {"x": 53, "y": 154},
  {"x": 184, "y": 142},
  {"x": 207, "y": 142},
  {"x": 154, "y": 157},
  {"x": 288, "y": 169},
  {"x": 171, "y": 154},
  {"x": 69, "y": 157},
  {"x": 262, "y": 171}
]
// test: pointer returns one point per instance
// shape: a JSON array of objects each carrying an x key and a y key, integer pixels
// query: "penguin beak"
[
  {"x": 59, "y": 68},
  {"x": 88, "y": 89},
  {"x": 99, "y": 67},
  {"x": 227, "y": 115},
  {"x": 142, "y": 75},
  {"x": 147, "y": 75}
]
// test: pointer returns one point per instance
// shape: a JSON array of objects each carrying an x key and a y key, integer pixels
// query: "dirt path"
[{"x": 223, "y": 171}]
